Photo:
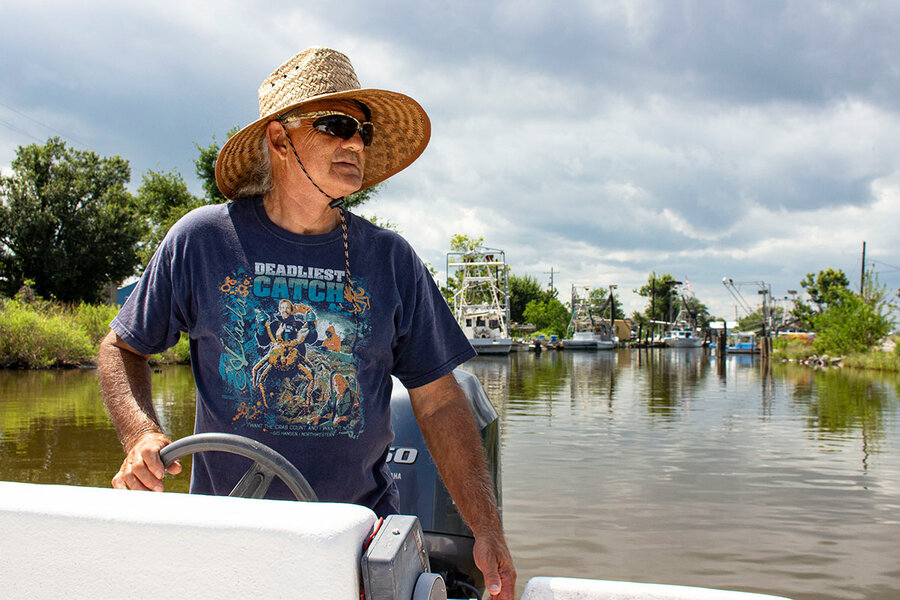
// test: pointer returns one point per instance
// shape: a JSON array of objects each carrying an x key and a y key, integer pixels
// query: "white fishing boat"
[
  {"x": 102, "y": 544},
  {"x": 587, "y": 330},
  {"x": 481, "y": 302},
  {"x": 683, "y": 332},
  {"x": 683, "y": 338}
]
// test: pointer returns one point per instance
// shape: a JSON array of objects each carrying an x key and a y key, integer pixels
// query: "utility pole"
[
  {"x": 552, "y": 289},
  {"x": 862, "y": 273}
]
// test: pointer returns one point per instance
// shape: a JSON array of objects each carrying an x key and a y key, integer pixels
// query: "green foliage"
[
  {"x": 874, "y": 360},
  {"x": 67, "y": 222},
  {"x": 465, "y": 243},
  {"x": 792, "y": 349},
  {"x": 523, "y": 290},
  {"x": 849, "y": 324},
  {"x": 42, "y": 334},
  {"x": 180, "y": 353},
  {"x": 162, "y": 199},
  {"x": 205, "y": 167},
  {"x": 383, "y": 223},
  {"x": 32, "y": 339},
  {"x": 660, "y": 289},
  {"x": 459, "y": 243},
  {"x": 356, "y": 199},
  {"x": 600, "y": 298},
  {"x": 549, "y": 316},
  {"x": 824, "y": 289},
  {"x": 93, "y": 319}
]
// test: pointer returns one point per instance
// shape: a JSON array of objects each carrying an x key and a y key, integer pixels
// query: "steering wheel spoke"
[
  {"x": 255, "y": 482},
  {"x": 267, "y": 464}
]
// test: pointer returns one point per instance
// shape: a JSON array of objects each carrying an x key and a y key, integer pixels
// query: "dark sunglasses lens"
[
  {"x": 344, "y": 127},
  {"x": 367, "y": 133}
]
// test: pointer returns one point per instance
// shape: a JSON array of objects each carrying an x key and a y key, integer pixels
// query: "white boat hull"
[
  {"x": 585, "y": 340},
  {"x": 491, "y": 345},
  {"x": 565, "y": 588},
  {"x": 579, "y": 344},
  {"x": 683, "y": 342}
]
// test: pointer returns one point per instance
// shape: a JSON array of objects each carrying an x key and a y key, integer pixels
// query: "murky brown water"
[{"x": 642, "y": 466}]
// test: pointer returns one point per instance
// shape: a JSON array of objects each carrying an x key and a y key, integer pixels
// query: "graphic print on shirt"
[{"x": 287, "y": 364}]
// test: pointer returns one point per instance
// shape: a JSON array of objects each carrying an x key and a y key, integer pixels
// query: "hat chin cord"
[{"x": 337, "y": 203}]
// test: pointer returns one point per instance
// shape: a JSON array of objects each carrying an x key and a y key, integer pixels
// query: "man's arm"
[
  {"x": 125, "y": 386},
  {"x": 449, "y": 429}
]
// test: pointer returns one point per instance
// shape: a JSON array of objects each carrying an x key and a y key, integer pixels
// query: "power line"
[
  {"x": 22, "y": 131},
  {"x": 54, "y": 130}
]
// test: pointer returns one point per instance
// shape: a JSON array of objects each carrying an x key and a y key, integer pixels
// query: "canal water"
[{"x": 651, "y": 465}]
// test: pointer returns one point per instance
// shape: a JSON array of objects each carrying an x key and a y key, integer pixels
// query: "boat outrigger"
[
  {"x": 587, "y": 330},
  {"x": 99, "y": 543},
  {"x": 481, "y": 303}
]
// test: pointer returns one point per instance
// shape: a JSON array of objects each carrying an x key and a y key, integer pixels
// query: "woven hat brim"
[{"x": 402, "y": 131}]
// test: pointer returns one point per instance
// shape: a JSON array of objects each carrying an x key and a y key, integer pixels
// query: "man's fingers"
[
  {"x": 493, "y": 559},
  {"x": 150, "y": 460},
  {"x": 143, "y": 468}
]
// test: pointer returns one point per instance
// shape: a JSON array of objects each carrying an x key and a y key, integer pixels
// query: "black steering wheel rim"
[{"x": 267, "y": 463}]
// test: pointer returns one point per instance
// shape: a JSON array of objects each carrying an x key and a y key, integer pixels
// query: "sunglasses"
[{"x": 338, "y": 125}]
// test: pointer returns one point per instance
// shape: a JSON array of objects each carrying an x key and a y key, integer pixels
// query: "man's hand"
[
  {"x": 449, "y": 429},
  {"x": 494, "y": 561},
  {"x": 142, "y": 468}
]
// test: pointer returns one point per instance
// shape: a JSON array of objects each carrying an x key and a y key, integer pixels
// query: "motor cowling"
[{"x": 422, "y": 493}]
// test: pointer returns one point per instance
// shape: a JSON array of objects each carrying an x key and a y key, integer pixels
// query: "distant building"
[{"x": 123, "y": 292}]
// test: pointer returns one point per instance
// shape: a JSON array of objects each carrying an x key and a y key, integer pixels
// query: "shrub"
[
  {"x": 31, "y": 339},
  {"x": 93, "y": 319},
  {"x": 792, "y": 349},
  {"x": 850, "y": 325}
]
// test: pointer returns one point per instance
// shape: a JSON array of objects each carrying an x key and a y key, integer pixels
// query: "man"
[{"x": 285, "y": 241}]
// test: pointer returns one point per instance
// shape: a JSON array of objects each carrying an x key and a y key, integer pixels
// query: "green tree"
[
  {"x": 550, "y": 317},
  {"x": 523, "y": 290},
  {"x": 850, "y": 324},
  {"x": 600, "y": 299},
  {"x": 824, "y": 289},
  {"x": 67, "y": 222},
  {"x": 205, "y": 167},
  {"x": 660, "y": 289},
  {"x": 459, "y": 243},
  {"x": 162, "y": 199}
]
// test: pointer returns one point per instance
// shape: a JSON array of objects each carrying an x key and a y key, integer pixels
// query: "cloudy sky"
[{"x": 756, "y": 140}]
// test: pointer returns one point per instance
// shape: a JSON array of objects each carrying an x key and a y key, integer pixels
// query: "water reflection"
[
  {"x": 647, "y": 465},
  {"x": 54, "y": 429}
]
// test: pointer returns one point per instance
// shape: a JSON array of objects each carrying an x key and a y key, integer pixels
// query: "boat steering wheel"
[{"x": 267, "y": 463}]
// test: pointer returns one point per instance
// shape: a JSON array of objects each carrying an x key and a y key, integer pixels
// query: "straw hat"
[{"x": 402, "y": 128}]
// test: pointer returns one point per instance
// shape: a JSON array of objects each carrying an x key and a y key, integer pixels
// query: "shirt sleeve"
[
  {"x": 430, "y": 343},
  {"x": 152, "y": 318}
]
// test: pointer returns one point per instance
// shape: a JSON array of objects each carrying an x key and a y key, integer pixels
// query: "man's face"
[
  {"x": 334, "y": 164},
  {"x": 285, "y": 309}
]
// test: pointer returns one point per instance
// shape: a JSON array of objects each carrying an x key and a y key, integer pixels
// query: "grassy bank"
[
  {"x": 873, "y": 359},
  {"x": 40, "y": 334}
]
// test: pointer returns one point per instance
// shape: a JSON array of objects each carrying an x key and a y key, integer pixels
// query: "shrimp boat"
[
  {"x": 587, "y": 330},
  {"x": 99, "y": 543},
  {"x": 481, "y": 302},
  {"x": 683, "y": 333}
]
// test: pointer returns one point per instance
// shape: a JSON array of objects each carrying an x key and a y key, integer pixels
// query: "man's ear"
[{"x": 277, "y": 139}]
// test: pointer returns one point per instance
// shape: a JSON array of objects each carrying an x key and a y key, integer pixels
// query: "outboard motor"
[{"x": 422, "y": 493}]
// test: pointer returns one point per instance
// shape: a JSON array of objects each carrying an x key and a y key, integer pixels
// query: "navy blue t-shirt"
[{"x": 284, "y": 351}]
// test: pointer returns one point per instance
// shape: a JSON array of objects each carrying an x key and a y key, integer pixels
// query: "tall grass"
[
  {"x": 37, "y": 334},
  {"x": 93, "y": 319},
  {"x": 31, "y": 338}
]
